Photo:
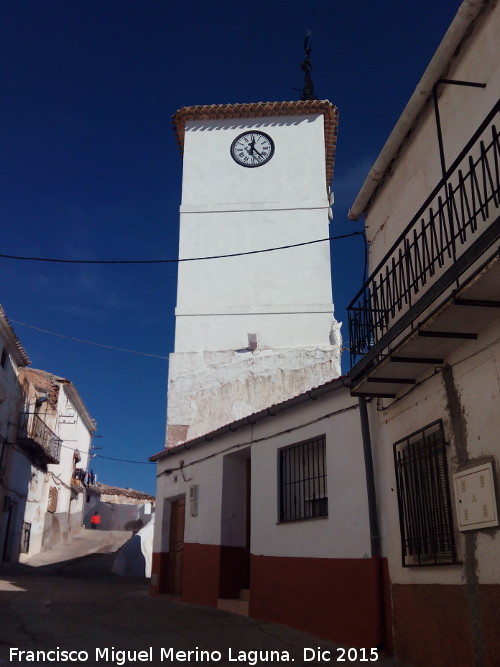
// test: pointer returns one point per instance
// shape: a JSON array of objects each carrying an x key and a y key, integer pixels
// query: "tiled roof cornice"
[
  {"x": 17, "y": 349},
  {"x": 106, "y": 490},
  {"x": 263, "y": 110}
]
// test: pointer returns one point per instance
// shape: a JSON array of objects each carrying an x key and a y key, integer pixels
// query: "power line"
[
  {"x": 89, "y": 342},
  {"x": 174, "y": 261},
  {"x": 110, "y": 458}
]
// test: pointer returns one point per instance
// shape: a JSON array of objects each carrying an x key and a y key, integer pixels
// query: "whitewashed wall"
[
  {"x": 343, "y": 534},
  {"x": 477, "y": 372},
  {"x": 14, "y": 480},
  {"x": 475, "y": 364},
  {"x": 418, "y": 169},
  {"x": 48, "y": 528},
  {"x": 285, "y": 296}
]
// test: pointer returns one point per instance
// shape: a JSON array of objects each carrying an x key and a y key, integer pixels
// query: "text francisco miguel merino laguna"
[{"x": 124, "y": 657}]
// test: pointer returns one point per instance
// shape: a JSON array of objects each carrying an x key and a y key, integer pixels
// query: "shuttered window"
[
  {"x": 303, "y": 481},
  {"x": 425, "y": 517},
  {"x": 53, "y": 493}
]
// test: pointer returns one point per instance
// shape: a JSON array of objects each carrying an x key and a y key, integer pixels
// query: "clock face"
[{"x": 252, "y": 149}]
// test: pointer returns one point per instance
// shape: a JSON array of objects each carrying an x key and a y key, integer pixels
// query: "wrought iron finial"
[{"x": 308, "y": 92}]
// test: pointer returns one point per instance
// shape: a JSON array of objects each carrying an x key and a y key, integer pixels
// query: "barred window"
[
  {"x": 424, "y": 498},
  {"x": 303, "y": 487},
  {"x": 53, "y": 493}
]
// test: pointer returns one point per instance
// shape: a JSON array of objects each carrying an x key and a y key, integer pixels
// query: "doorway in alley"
[{"x": 176, "y": 546}]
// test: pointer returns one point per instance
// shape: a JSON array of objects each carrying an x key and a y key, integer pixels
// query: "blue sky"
[{"x": 89, "y": 167}]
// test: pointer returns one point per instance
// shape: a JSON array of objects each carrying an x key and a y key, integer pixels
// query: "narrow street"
[{"x": 77, "y": 605}]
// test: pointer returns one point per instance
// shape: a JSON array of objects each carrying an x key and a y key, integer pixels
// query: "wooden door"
[{"x": 177, "y": 513}]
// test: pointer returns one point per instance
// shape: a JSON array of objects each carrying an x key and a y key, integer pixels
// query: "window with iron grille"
[
  {"x": 303, "y": 488},
  {"x": 25, "y": 538},
  {"x": 52, "y": 505},
  {"x": 425, "y": 517}
]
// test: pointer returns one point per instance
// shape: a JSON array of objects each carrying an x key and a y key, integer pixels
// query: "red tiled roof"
[
  {"x": 106, "y": 490},
  {"x": 22, "y": 357},
  {"x": 262, "y": 110}
]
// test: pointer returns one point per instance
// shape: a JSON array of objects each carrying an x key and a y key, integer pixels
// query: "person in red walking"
[{"x": 95, "y": 521}]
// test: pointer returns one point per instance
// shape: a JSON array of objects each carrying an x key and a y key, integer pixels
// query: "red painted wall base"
[
  {"x": 337, "y": 599},
  {"x": 438, "y": 625}
]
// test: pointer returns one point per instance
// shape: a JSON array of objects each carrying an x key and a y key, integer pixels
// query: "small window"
[
  {"x": 303, "y": 488},
  {"x": 425, "y": 517},
  {"x": 3, "y": 357},
  {"x": 53, "y": 493},
  {"x": 25, "y": 538}
]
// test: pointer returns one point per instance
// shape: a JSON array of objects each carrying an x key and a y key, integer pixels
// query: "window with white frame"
[{"x": 303, "y": 481}]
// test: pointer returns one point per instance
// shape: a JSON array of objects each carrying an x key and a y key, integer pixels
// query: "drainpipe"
[{"x": 375, "y": 550}]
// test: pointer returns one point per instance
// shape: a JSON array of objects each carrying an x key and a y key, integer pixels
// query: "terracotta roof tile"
[
  {"x": 262, "y": 110},
  {"x": 19, "y": 351},
  {"x": 107, "y": 490}
]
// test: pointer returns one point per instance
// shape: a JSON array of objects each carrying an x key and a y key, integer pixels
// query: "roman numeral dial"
[{"x": 252, "y": 149}]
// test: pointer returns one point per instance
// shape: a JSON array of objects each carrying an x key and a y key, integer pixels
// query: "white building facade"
[
  {"x": 12, "y": 489},
  {"x": 273, "y": 508},
  {"x": 251, "y": 329},
  {"x": 425, "y": 338},
  {"x": 53, "y": 443}
]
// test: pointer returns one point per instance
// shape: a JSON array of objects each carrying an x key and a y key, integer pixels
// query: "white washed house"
[
  {"x": 119, "y": 509},
  {"x": 53, "y": 440},
  {"x": 403, "y": 554},
  {"x": 273, "y": 508},
  {"x": 425, "y": 340},
  {"x": 12, "y": 488},
  {"x": 45, "y": 439}
]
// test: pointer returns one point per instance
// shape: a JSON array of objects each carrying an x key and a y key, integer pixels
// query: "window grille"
[
  {"x": 424, "y": 498},
  {"x": 53, "y": 493},
  {"x": 303, "y": 484},
  {"x": 25, "y": 539}
]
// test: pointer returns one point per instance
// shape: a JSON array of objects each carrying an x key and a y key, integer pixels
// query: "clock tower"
[{"x": 252, "y": 328}]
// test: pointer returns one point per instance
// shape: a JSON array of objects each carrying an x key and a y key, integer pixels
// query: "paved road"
[{"x": 77, "y": 605}]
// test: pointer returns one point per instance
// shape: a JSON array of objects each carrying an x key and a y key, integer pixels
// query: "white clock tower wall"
[
  {"x": 293, "y": 177},
  {"x": 283, "y": 296}
]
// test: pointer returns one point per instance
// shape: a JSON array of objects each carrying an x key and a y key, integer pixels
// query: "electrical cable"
[
  {"x": 173, "y": 261},
  {"x": 253, "y": 441},
  {"x": 110, "y": 458},
  {"x": 89, "y": 342}
]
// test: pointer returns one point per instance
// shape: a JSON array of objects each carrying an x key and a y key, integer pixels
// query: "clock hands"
[{"x": 251, "y": 149}]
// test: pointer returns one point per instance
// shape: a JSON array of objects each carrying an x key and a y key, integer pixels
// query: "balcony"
[
  {"x": 40, "y": 442},
  {"x": 437, "y": 286}
]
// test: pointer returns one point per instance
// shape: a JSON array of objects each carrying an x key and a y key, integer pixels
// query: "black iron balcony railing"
[
  {"x": 459, "y": 210},
  {"x": 42, "y": 442}
]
